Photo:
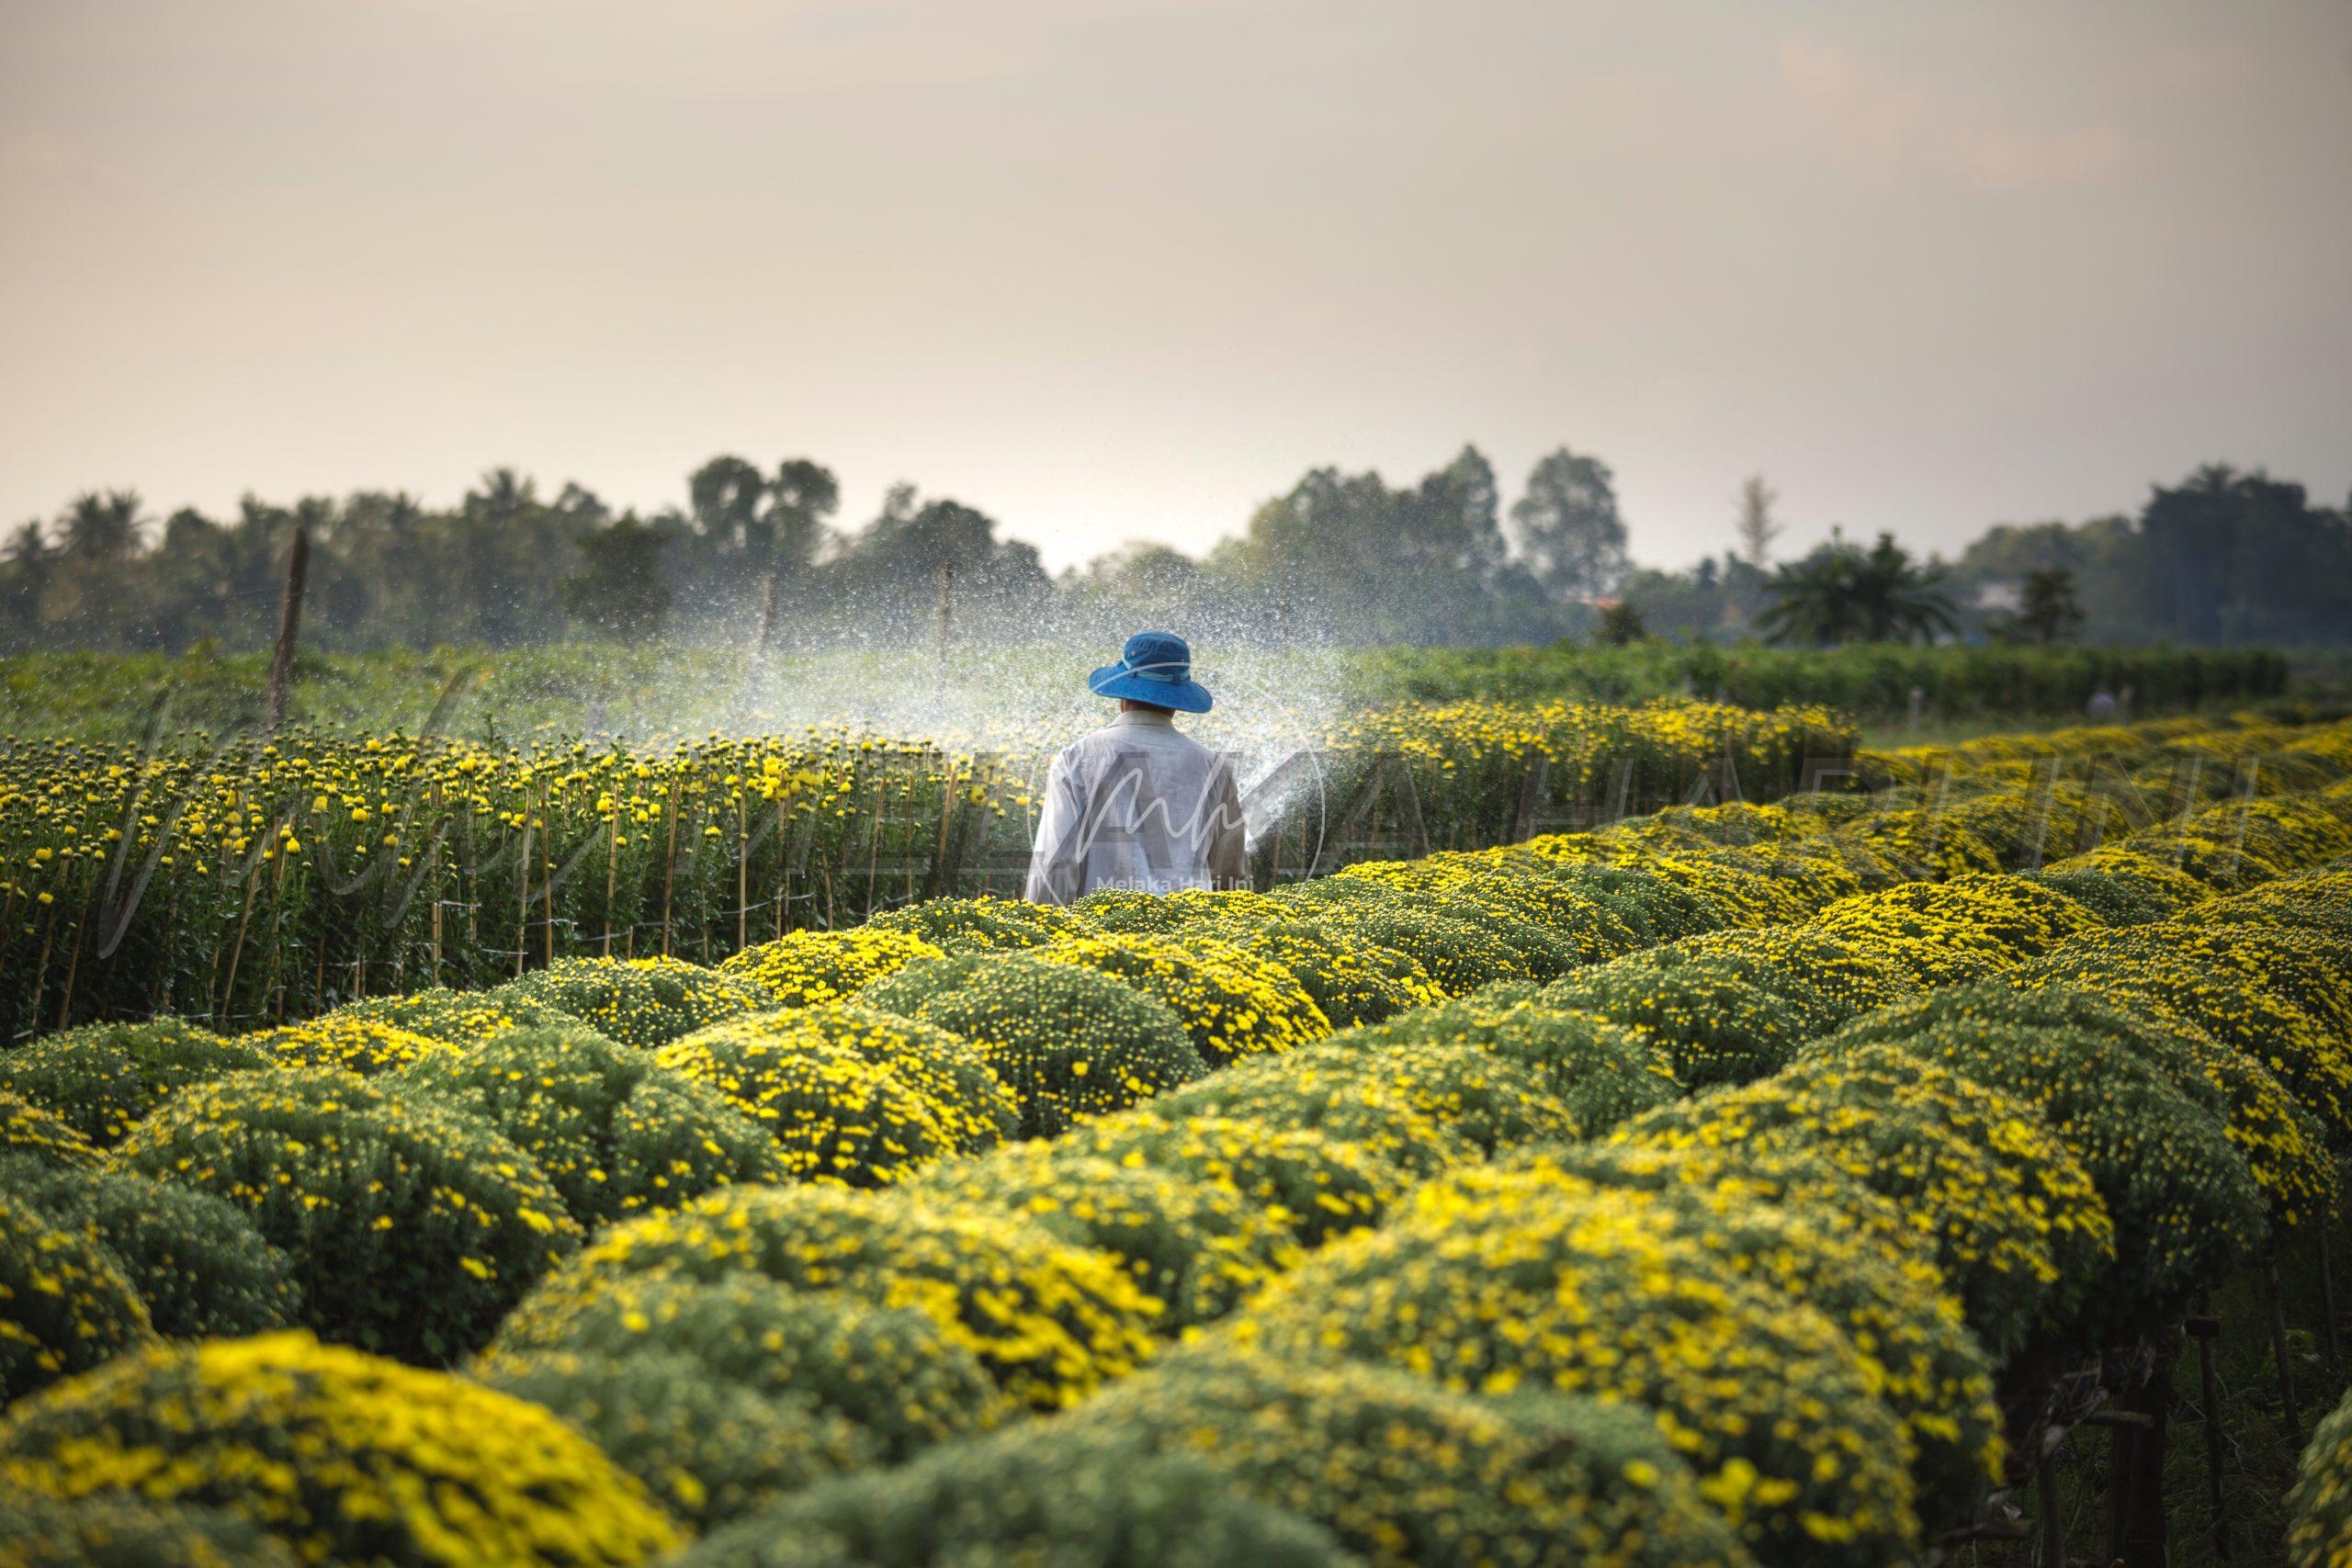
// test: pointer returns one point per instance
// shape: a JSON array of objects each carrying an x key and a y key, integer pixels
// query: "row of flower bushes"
[
  {"x": 424, "y": 1160},
  {"x": 275, "y": 878}
]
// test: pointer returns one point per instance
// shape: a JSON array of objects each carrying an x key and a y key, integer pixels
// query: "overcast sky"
[{"x": 1120, "y": 269}]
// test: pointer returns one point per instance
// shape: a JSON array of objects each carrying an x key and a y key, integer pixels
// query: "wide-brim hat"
[{"x": 1155, "y": 667}]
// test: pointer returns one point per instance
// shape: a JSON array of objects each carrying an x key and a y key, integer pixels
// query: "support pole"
[
  {"x": 289, "y": 627},
  {"x": 2205, "y": 1328},
  {"x": 2279, "y": 1355}
]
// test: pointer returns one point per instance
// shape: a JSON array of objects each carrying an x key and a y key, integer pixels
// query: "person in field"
[{"x": 1138, "y": 803}]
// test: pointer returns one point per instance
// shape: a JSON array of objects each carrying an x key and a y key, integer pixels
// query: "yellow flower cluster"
[
  {"x": 346, "y": 1457},
  {"x": 350, "y": 1044},
  {"x": 803, "y": 968},
  {"x": 1232, "y": 1003},
  {"x": 1051, "y": 1322},
  {"x": 638, "y": 1001},
  {"x": 799, "y": 1068}
]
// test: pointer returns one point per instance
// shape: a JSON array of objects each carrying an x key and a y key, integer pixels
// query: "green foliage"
[
  {"x": 64, "y": 1303},
  {"x": 642, "y": 1001},
  {"x": 1317, "y": 1185},
  {"x": 888, "y": 1371},
  {"x": 978, "y": 925},
  {"x": 2186, "y": 1209},
  {"x": 1195, "y": 1244},
  {"x": 101, "y": 1077},
  {"x": 115, "y": 1530},
  {"x": 1424, "y": 1106},
  {"x": 611, "y": 1129},
  {"x": 1485, "y": 1292},
  {"x": 1405, "y": 1473},
  {"x": 195, "y": 1261},
  {"x": 1714, "y": 1021},
  {"x": 413, "y": 1227},
  {"x": 1352, "y": 980},
  {"x": 1051, "y": 1322},
  {"x": 708, "y": 1452},
  {"x": 1032, "y": 1496},
  {"x": 1067, "y": 1040},
  {"x": 1600, "y": 1073}
]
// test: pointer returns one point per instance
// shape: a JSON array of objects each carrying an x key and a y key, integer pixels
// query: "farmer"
[{"x": 1136, "y": 805}]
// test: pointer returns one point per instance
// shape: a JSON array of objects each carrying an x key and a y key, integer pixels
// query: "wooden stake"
[
  {"x": 2279, "y": 1354},
  {"x": 2209, "y": 1388},
  {"x": 289, "y": 626}
]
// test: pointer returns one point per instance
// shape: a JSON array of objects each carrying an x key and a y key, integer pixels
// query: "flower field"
[
  {"x": 1772, "y": 1182},
  {"x": 271, "y": 881}
]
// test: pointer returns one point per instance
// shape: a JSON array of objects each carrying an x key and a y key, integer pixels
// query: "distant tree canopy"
[{"x": 2225, "y": 558}]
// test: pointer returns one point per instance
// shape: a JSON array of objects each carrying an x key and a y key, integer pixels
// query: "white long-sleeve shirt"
[{"x": 1138, "y": 805}]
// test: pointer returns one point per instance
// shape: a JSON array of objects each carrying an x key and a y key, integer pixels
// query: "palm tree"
[{"x": 1843, "y": 593}]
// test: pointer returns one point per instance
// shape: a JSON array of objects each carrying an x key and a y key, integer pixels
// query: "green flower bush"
[
  {"x": 1339, "y": 1100},
  {"x": 1547, "y": 923},
  {"x": 707, "y": 1451},
  {"x": 2120, "y": 888},
  {"x": 1233, "y": 1004},
  {"x": 2020, "y": 1230},
  {"x": 1031, "y": 1495},
  {"x": 855, "y": 1095},
  {"x": 1458, "y": 954},
  {"x": 1050, "y": 1322},
  {"x": 1892, "y": 1305},
  {"x": 2186, "y": 1209},
  {"x": 1390, "y": 1100},
  {"x": 1067, "y": 1040},
  {"x": 103, "y": 1076},
  {"x": 114, "y": 1529},
  {"x": 1715, "y": 1023},
  {"x": 35, "y": 1133},
  {"x": 1822, "y": 979},
  {"x": 611, "y": 1129},
  {"x": 1195, "y": 1245},
  {"x": 2144, "y": 968},
  {"x": 2283, "y": 1143},
  {"x": 1598, "y": 1072},
  {"x": 1315, "y": 1185},
  {"x": 196, "y": 1261},
  {"x": 891, "y": 1373},
  {"x": 802, "y": 969},
  {"x": 1350, "y": 980},
  {"x": 1652, "y": 909},
  {"x": 1405, "y": 1473},
  {"x": 64, "y": 1303},
  {"x": 638, "y": 1001},
  {"x": 1762, "y": 1395},
  {"x": 413, "y": 1227},
  {"x": 342, "y": 1456},
  {"x": 979, "y": 925},
  {"x": 2319, "y": 1509}
]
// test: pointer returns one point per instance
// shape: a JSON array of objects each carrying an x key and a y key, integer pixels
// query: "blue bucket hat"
[{"x": 1156, "y": 668}]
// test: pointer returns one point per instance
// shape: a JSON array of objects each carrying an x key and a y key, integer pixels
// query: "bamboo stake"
[
  {"x": 2279, "y": 1354},
  {"x": 289, "y": 626},
  {"x": 2206, "y": 1327}
]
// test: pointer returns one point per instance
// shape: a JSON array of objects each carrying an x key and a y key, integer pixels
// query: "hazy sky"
[{"x": 1118, "y": 268}]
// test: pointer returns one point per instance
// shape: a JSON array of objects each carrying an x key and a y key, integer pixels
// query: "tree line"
[{"x": 2225, "y": 558}]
